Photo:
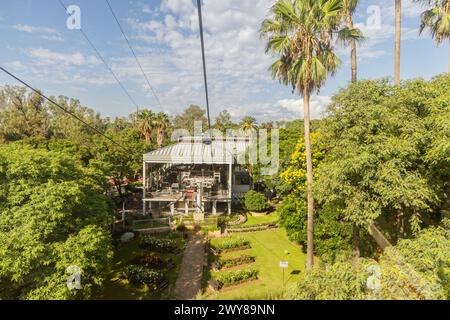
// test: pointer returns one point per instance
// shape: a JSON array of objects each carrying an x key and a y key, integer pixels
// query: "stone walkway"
[{"x": 189, "y": 280}]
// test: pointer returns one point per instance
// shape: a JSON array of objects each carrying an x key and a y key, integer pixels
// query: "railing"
[{"x": 151, "y": 224}]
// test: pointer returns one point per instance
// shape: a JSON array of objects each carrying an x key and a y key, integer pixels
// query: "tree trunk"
[
  {"x": 309, "y": 169},
  {"x": 355, "y": 245},
  {"x": 398, "y": 37},
  {"x": 353, "y": 50}
]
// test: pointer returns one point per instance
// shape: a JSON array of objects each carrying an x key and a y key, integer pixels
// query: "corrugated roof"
[{"x": 194, "y": 151}]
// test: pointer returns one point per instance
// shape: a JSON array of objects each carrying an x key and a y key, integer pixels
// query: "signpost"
[{"x": 284, "y": 265}]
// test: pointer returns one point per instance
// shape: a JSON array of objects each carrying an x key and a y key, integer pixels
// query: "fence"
[{"x": 139, "y": 225}]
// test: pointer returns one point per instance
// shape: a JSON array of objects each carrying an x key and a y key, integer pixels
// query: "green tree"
[
  {"x": 53, "y": 214},
  {"x": 120, "y": 164},
  {"x": 23, "y": 115},
  {"x": 301, "y": 32},
  {"x": 162, "y": 124},
  {"x": 351, "y": 35},
  {"x": 146, "y": 124},
  {"x": 248, "y": 124},
  {"x": 187, "y": 119},
  {"x": 437, "y": 20},
  {"x": 414, "y": 269},
  {"x": 380, "y": 166},
  {"x": 223, "y": 121}
]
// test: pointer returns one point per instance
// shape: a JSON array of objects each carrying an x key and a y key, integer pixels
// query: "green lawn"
[
  {"x": 115, "y": 288},
  {"x": 251, "y": 220},
  {"x": 269, "y": 248}
]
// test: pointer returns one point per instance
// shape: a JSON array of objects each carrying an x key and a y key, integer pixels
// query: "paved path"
[{"x": 189, "y": 280}]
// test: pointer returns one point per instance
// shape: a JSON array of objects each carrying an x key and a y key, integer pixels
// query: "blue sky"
[{"x": 38, "y": 47}]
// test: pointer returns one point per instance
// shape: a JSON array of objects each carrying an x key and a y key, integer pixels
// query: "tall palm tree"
[
  {"x": 351, "y": 35},
  {"x": 437, "y": 21},
  {"x": 300, "y": 33},
  {"x": 145, "y": 122},
  {"x": 162, "y": 123},
  {"x": 398, "y": 39}
]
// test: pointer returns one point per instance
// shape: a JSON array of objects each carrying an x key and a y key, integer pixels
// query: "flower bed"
[
  {"x": 236, "y": 277},
  {"x": 140, "y": 275},
  {"x": 255, "y": 227},
  {"x": 149, "y": 259},
  {"x": 157, "y": 244},
  {"x": 230, "y": 263},
  {"x": 231, "y": 244}
]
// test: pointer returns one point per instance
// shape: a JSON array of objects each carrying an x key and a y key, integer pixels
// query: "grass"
[
  {"x": 115, "y": 288},
  {"x": 269, "y": 247},
  {"x": 251, "y": 220}
]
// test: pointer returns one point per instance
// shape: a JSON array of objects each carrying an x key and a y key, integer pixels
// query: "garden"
[
  {"x": 145, "y": 268},
  {"x": 247, "y": 265}
]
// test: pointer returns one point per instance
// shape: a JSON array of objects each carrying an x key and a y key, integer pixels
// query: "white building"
[{"x": 195, "y": 175}]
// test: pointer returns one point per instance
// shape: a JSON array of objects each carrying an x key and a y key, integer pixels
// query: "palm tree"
[
  {"x": 437, "y": 21},
  {"x": 350, "y": 35},
  {"x": 248, "y": 124},
  {"x": 145, "y": 121},
  {"x": 398, "y": 39},
  {"x": 301, "y": 33},
  {"x": 161, "y": 122}
]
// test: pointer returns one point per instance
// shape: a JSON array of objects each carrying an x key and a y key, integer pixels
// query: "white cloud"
[
  {"x": 33, "y": 29},
  {"x": 46, "y": 33},
  {"x": 284, "y": 109},
  {"x": 48, "y": 57}
]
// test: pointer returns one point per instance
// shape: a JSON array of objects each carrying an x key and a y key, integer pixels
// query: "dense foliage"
[
  {"x": 417, "y": 268},
  {"x": 255, "y": 201},
  {"x": 388, "y": 152},
  {"x": 53, "y": 215}
]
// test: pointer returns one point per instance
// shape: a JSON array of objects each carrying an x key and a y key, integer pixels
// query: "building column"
[
  {"x": 186, "y": 207},
  {"x": 172, "y": 208},
  {"x": 214, "y": 207}
]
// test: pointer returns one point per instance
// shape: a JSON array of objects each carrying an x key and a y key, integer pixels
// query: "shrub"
[
  {"x": 255, "y": 201},
  {"x": 150, "y": 260},
  {"x": 232, "y": 243},
  {"x": 236, "y": 277},
  {"x": 157, "y": 244},
  {"x": 140, "y": 275},
  {"x": 230, "y": 263}
]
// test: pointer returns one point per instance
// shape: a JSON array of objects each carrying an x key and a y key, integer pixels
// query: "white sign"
[{"x": 284, "y": 264}]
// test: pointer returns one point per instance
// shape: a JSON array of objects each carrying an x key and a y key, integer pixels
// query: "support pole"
[
  {"x": 144, "y": 187},
  {"x": 230, "y": 187}
]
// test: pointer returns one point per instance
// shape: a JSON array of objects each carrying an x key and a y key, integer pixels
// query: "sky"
[{"x": 37, "y": 46}]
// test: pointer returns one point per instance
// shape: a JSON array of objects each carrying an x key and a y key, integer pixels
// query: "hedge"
[
  {"x": 236, "y": 277},
  {"x": 230, "y": 263},
  {"x": 232, "y": 243}
]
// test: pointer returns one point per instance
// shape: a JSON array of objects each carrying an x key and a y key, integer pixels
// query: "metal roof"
[{"x": 192, "y": 150}]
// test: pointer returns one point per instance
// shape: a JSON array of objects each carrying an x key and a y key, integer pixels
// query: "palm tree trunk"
[
  {"x": 398, "y": 37},
  {"x": 353, "y": 50},
  {"x": 309, "y": 169},
  {"x": 355, "y": 244}
]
